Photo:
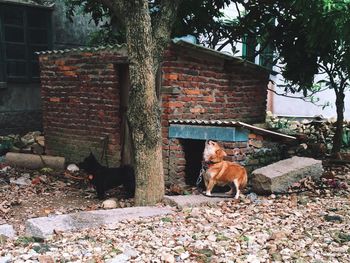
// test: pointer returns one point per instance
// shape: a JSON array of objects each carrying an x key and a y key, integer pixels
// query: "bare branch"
[
  {"x": 228, "y": 41},
  {"x": 306, "y": 99},
  {"x": 238, "y": 11}
]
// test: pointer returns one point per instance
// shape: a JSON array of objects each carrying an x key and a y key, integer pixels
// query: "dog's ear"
[{"x": 221, "y": 153}]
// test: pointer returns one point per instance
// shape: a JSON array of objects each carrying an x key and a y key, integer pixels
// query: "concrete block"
[
  {"x": 277, "y": 177},
  {"x": 7, "y": 230},
  {"x": 43, "y": 227},
  {"x": 32, "y": 161}
]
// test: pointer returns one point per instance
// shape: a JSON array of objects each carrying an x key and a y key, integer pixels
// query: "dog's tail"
[{"x": 244, "y": 181}]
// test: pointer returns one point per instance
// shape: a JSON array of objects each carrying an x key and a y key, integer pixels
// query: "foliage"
[
  {"x": 310, "y": 37},
  {"x": 203, "y": 19}
]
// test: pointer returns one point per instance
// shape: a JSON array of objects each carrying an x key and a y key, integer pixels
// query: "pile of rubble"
[
  {"x": 32, "y": 142},
  {"x": 317, "y": 133}
]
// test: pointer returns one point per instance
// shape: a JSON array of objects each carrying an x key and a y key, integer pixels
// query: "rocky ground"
[
  {"x": 270, "y": 229},
  {"x": 28, "y": 194},
  {"x": 309, "y": 226}
]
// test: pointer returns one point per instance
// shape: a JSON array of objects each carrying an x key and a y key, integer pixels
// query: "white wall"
[{"x": 283, "y": 106}]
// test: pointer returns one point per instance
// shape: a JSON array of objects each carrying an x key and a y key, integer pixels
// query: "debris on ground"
[
  {"x": 312, "y": 225},
  {"x": 27, "y": 194},
  {"x": 32, "y": 142}
]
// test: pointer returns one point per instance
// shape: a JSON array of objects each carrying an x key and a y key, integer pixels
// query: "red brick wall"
[
  {"x": 200, "y": 86},
  {"x": 80, "y": 94},
  {"x": 81, "y": 98}
]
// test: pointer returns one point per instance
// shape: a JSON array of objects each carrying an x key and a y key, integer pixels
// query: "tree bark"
[
  {"x": 144, "y": 110},
  {"x": 337, "y": 139}
]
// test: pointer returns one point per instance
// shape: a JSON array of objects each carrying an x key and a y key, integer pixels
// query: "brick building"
[{"x": 85, "y": 94}]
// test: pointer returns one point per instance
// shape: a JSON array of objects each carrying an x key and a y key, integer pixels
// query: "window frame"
[{"x": 29, "y": 60}]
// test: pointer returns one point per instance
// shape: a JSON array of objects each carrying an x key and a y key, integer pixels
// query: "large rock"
[
  {"x": 44, "y": 227},
  {"x": 277, "y": 177}
]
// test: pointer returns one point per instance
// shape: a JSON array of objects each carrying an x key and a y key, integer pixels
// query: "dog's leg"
[
  {"x": 232, "y": 185},
  {"x": 237, "y": 188},
  {"x": 210, "y": 187}
]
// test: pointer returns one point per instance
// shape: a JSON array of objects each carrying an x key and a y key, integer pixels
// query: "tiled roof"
[
  {"x": 230, "y": 123},
  {"x": 82, "y": 49},
  {"x": 178, "y": 42},
  {"x": 223, "y": 55}
]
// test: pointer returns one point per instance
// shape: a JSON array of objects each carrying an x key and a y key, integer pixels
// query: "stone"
[
  {"x": 7, "y": 231},
  {"x": 252, "y": 196},
  {"x": 185, "y": 255},
  {"x": 45, "y": 259},
  {"x": 121, "y": 258},
  {"x": 182, "y": 201},
  {"x": 130, "y": 251},
  {"x": 44, "y": 227},
  {"x": 23, "y": 180},
  {"x": 6, "y": 259},
  {"x": 277, "y": 177},
  {"x": 41, "y": 141},
  {"x": 37, "y": 148},
  {"x": 72, "y": 168},
  {"x": 109, "y": 204},
  {"x": 168, "y": 258}
]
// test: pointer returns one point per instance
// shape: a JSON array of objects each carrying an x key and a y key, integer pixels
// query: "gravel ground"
[{"x": 303, "y": 228}]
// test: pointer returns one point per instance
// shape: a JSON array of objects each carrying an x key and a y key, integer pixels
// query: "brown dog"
[{"x": 222, "y": 172}]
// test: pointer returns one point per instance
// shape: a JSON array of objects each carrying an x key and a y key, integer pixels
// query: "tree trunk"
[
  {"x": 337, "y": 139},
  {"x": 143, "y": 110}
]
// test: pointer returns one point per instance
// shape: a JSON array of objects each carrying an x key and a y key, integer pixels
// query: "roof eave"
[
  {"x": 231, "y": 123},
  {"x": 219, "y": 54},
  {"x": 49, "y": 7}
]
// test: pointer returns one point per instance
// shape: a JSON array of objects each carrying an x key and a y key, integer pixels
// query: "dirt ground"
[{"x": 46, "y": 193}]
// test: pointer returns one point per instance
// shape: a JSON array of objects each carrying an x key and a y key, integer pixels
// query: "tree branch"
[
  {"x": 162, "y": 25},
  {"x": 238, "y": 11},
  {"x": 306, "y": 99},
  {"x": 117, "y": 7}
]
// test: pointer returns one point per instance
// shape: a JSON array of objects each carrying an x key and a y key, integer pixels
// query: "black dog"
[{"x": 104, "y": 178}]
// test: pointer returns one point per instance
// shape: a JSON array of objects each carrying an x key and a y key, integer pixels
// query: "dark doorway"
[{"x": 193, "y": 155}]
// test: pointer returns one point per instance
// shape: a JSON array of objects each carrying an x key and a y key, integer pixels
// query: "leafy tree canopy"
[
  {"x": 310, "y": 37},
  {"x": 203, "y": 19}
]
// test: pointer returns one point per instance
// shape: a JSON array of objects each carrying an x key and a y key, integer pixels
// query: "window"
[{"x": 24, "y": 30}]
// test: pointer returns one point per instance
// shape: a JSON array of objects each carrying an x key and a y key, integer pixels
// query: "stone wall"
[
  {"x": 199, "y": 86},
  {"x": 316, "y": 134},
  {"x": 80, "y": 94}
]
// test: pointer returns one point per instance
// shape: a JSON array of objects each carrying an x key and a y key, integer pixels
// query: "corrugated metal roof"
[
  {"x": 230, "y": 123},
  {"x": 219, "y": 54},
  {"x": 83, "y": 49}
]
